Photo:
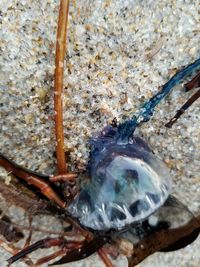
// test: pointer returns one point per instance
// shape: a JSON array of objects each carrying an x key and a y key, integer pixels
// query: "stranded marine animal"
[{"x": 127, "y": 182}]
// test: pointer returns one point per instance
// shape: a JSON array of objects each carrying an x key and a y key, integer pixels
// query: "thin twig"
[
  {"x": 105, "y": 258},
  {"x": 58, "y": 85},
  {"x": 13, "y": 250},
  {"x": 194, "y": 83},
  {"x": 182, "y": 110},
  {"x": 42, "y": 230}
]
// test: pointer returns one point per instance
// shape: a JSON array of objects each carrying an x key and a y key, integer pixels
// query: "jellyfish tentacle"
[
  {"x": 148, "y": 107},
  {"x": 127, "y": 128}
]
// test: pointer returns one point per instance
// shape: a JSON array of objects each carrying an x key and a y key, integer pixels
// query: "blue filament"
[{"x": 126, "y": 129}]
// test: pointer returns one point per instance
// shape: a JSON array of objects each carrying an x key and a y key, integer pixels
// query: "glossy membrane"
[{"x": 128, "y": 183}]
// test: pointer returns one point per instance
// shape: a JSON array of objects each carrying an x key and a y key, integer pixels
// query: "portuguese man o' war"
[
  {"x": 128, "y": 191},
  {"x": 127, "y": 181}
]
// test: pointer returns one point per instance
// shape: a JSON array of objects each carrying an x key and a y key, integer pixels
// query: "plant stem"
[{"x": 58, "y": 85}]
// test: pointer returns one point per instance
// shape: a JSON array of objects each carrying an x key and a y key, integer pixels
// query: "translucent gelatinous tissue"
[{"x": 128, "y": 183}]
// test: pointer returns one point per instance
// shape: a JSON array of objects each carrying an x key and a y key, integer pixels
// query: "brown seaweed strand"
[
  {"x": 105, "y": 258},
  {"x": 160, "y": 240},
  {"x": 194, "y": 83},
  {"x": 179, "y": 112},
  {"x": 58, "y": 85}
]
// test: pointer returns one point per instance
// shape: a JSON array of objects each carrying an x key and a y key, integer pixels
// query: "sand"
[{"x": 119, "y": 54}]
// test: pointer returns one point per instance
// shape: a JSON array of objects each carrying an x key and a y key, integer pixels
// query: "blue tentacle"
[{"x": 126, "y": 129}]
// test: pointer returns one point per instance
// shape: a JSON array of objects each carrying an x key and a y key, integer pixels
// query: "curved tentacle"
[{"x": 127, "y": 128}]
